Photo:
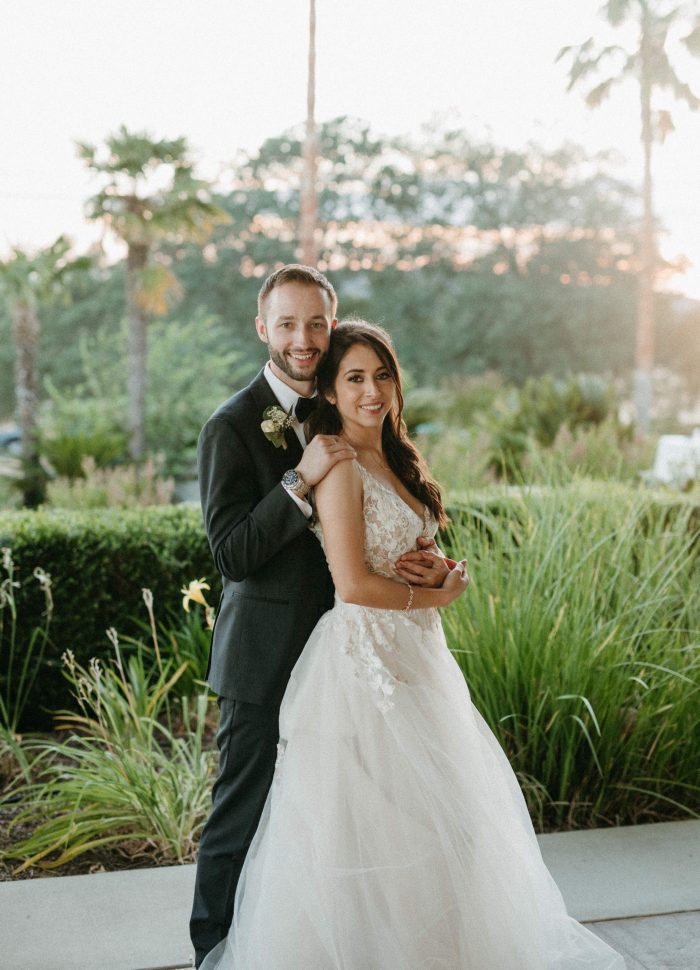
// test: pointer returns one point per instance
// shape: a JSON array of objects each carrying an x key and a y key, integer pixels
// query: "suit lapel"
[
  {"x": 294, "y": 450},
  {"x": 264, "y": 396}
]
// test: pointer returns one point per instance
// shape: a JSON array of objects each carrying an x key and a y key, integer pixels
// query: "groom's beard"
[{"x": 291, "y": 368}]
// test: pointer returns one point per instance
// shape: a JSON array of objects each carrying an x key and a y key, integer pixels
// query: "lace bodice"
[
  {"x": 391, "y": 526},
  {"x": 369, "y": 635}
]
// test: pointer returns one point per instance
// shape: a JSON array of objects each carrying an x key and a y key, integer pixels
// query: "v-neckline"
[{"x": 392, "y": 491}]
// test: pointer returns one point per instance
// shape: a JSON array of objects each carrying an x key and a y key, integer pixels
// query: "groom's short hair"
[{"x": 297, "y": 273}]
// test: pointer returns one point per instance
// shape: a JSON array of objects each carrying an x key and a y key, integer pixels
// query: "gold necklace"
[{"x": 377, "y": 461}]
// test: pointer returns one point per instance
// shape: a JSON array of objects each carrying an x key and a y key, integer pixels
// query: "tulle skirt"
[{"x": 395, "y": 836}]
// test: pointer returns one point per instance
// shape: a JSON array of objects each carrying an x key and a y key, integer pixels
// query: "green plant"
[
  {"x": 189, "y": 642},
  {"x": 187, "y": 638},
  {"x": 458, "y": 458},
  {"x": 580, "y": 642},
  {"x": 602, "y": 451},
  {"x": 99, "y": 560},
  {"x": 130, "y": 774},
  {"x": 521, "y": 423},
  {"x": 75, "y": 427},
  {"x": 15, "y": 761},
  {"x": 67, "y": 453},
  {"x": 188, "y": 376},
  {"x": 468, "y": 399},
  {"x": 123, "y": 487},
  {"x": 24, "y": 653}
]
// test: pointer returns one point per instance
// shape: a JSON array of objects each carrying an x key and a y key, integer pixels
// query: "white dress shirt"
[{"x": 287, "y": 398}]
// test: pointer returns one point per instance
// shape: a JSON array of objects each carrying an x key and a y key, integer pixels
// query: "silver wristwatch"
[{"x": 295, "y": 483}]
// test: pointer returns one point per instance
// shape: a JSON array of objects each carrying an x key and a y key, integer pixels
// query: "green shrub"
[
  {"x": 99, "y": 562},
  {"x": 188, "y": 376},
  {"x": 75, "y": 428},
  {"x": 66, "y": 453},
  {"x": 580, "y": 641},
  {"x": 422, "y": 405},
  {"x": 121, "y": 487},
  {"x": 130, "y": 774},
  {"x": 468, "y": 399},
  {"x": 603, "y": 451},
  {"x": 531, "y": 420},
  {"x": 457, "y": 457}
]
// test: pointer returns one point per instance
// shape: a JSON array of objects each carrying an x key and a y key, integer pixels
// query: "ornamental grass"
[
  {"x": 580, "y": 641},
  {"x": 133, "y": 773}
]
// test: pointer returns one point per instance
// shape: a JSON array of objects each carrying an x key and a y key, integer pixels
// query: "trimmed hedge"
[{"x": 99, "y": 561}]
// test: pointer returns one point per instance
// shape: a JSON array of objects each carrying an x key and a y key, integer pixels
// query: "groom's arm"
[{"x": 244, "y": 530}]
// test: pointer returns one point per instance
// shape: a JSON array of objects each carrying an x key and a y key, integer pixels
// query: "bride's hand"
[
  {"x": 457, "y": 581},
  {"x": 423, "y": 568}
]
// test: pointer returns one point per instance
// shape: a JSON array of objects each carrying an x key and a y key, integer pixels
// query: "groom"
[{"x": 254, "y": 483}]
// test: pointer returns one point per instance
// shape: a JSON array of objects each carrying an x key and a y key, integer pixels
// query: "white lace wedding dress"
[{"x": 395, "y": 836}]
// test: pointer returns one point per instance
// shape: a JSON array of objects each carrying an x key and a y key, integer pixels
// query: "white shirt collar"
[{"x": 286, "y": 395}]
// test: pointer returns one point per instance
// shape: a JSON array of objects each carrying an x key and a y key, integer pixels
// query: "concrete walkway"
[{"x": 637, "y": 887}]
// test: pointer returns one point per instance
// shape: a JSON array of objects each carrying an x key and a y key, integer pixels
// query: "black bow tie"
[{"x": 304, "y": 407}]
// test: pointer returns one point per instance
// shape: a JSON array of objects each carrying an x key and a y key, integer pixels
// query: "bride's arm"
[{"x": 338, "y": 499}]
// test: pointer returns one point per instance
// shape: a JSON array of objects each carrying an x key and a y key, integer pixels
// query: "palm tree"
[
  {"x": 149, "y": 194},
  {"x": 649, "y": 65},
  {"x": 308, "y": 205},
  {"x": 26, "y": 281}
]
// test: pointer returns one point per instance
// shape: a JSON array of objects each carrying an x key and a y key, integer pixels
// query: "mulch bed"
[
  {"x": 126, "y": 855},
  {"x": 102, "y": 860}
]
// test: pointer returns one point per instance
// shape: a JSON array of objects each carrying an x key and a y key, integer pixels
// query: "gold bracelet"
[{"x": 408, "y": 605}]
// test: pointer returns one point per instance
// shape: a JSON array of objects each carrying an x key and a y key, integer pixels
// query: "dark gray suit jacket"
[{"x": 276, "y": 584}]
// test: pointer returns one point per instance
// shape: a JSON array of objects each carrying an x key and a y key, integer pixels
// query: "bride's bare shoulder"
[{"x": 342, "y": 483}]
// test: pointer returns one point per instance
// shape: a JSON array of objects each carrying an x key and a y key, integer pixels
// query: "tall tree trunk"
[
  {"x": 26, "y": 336},
  {"x": 308, "y": 207},
  {"x": 644, "y": 355},
  {"x": 137, "y": 259}
]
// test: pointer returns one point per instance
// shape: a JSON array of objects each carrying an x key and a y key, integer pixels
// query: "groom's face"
[{"x": 296, "y": 324}]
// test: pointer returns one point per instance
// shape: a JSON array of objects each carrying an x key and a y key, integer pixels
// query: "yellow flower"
[{"x": 194, "y": 593}]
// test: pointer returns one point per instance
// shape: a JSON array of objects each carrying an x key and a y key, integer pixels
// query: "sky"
[{"x": 229, "y": 73}]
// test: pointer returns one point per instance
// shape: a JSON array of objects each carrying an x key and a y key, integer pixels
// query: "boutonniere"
[{"x": 275, "y": 422}]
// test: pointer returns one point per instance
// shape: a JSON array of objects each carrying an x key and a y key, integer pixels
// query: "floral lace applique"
[
  {"x": 391, "y": 528},
  {"x": 365, "y": 633}
]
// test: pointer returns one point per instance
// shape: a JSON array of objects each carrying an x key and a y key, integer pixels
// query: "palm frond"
[
  {"x": 663, "y": 125},
  {"x": 586, "y": 60},
  {"x": 600, "y": 92},
  {"x": 692, "y": 40},
  {"x": 616, "y": 11}
]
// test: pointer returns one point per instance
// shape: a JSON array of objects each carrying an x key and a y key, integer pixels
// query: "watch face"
[{"x": 291, "y": 479}]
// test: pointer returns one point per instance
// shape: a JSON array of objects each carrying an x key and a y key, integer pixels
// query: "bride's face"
[{"x": 364, "y": 391}]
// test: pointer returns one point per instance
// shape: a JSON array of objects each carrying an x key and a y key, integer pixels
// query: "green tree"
[
  {"x": 191, "y": 369},
  {"x": 474, "y": 256},
  {"x": 489, "y": 257},
  {"x": 649, "y": 65},
  {"x": 149, "y": 194},
  {"x": 27, "y": 280}
]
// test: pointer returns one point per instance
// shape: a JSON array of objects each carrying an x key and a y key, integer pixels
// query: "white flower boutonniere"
[{"x": 275, "y": 422}]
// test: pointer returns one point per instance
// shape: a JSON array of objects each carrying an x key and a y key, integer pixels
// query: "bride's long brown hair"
[{"x": 401, "y": 454}]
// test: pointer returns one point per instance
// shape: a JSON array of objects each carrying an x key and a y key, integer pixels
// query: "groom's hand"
[
  {"x": 425, "y": 566},
  {"x": 321, "y": 453}
]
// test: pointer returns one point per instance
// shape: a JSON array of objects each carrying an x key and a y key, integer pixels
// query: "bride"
[{"x": 395, "y": 836}]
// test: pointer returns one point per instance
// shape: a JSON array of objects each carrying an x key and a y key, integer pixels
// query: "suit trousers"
[{"x": 247, "y": 742}]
